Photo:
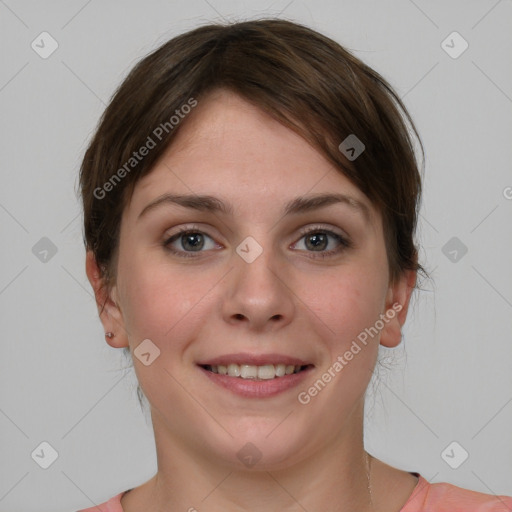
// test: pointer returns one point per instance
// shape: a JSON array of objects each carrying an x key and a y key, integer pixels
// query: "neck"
[{"x": 334, "y": 478}]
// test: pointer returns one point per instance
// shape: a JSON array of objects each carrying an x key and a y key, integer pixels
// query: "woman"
[{"x": 250, "y": 203}]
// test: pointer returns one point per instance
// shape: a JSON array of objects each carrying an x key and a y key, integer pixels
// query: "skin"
[{"x": 286, "y": 301}]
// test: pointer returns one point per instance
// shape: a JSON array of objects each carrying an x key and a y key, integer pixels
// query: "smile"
[{"x": 249, "y": 371}]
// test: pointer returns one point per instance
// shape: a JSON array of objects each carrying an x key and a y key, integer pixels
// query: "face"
[{"x": 272, "y": 278}]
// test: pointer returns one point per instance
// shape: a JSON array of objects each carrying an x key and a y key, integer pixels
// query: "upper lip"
[{"x": 254, "y": 359}]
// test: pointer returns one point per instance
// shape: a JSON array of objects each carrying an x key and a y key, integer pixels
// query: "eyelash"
[{"x": 344, "y": 242}]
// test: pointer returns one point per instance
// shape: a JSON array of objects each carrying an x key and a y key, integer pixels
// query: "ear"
[
  {"x": 397, "y": 305},
  {"x": 110, "y": 315}
]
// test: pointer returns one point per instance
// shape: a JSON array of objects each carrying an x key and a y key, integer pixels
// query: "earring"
[{"x": 109, "y": 335}]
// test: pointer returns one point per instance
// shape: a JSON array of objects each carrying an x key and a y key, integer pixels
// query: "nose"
[{"x": 259, "y": 294}]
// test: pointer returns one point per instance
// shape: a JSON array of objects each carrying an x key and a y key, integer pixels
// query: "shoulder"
[
  {"x": 445, "y": 497},
  {"x": 112, "y": 505}
]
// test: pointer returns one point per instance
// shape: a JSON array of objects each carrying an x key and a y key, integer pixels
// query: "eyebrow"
[{"x": 302, "y": 204}]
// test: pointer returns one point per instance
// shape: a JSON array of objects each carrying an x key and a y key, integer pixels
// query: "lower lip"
[{"x": 251, "y": 388}]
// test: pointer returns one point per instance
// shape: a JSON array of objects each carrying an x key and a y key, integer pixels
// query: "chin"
[{"x": 264, "y": 445}]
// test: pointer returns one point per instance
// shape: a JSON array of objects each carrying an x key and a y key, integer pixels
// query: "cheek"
[
  {"x": 348, "y": 308},
  {"x": 346, "y": 302},
  {"x": 157, "y": 298}
]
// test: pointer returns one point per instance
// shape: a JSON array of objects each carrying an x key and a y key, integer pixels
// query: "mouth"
[
  {"x": 256, "y": 376},
  {"x": 255, "y": 372}
]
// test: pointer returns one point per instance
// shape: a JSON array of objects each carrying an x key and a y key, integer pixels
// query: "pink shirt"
[{"x": 426, "y": 497}]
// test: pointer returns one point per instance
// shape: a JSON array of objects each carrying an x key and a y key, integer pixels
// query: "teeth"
[
  {"x": 280, "y": 370},
  {"x": 249, "y": 371},
  {"x": 234, "y": 370},
  {"x": 266, "y": 372}
]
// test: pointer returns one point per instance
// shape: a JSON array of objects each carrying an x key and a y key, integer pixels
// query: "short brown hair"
[{"x": 302, "y": 78}]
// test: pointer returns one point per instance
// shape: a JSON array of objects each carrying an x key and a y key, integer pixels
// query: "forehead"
[
  {"x": 226, "y": 131},
  {"x": 230, "y": 148}
]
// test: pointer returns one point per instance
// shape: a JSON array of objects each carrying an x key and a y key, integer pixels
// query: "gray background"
[{"x": 450, "y": 380}]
